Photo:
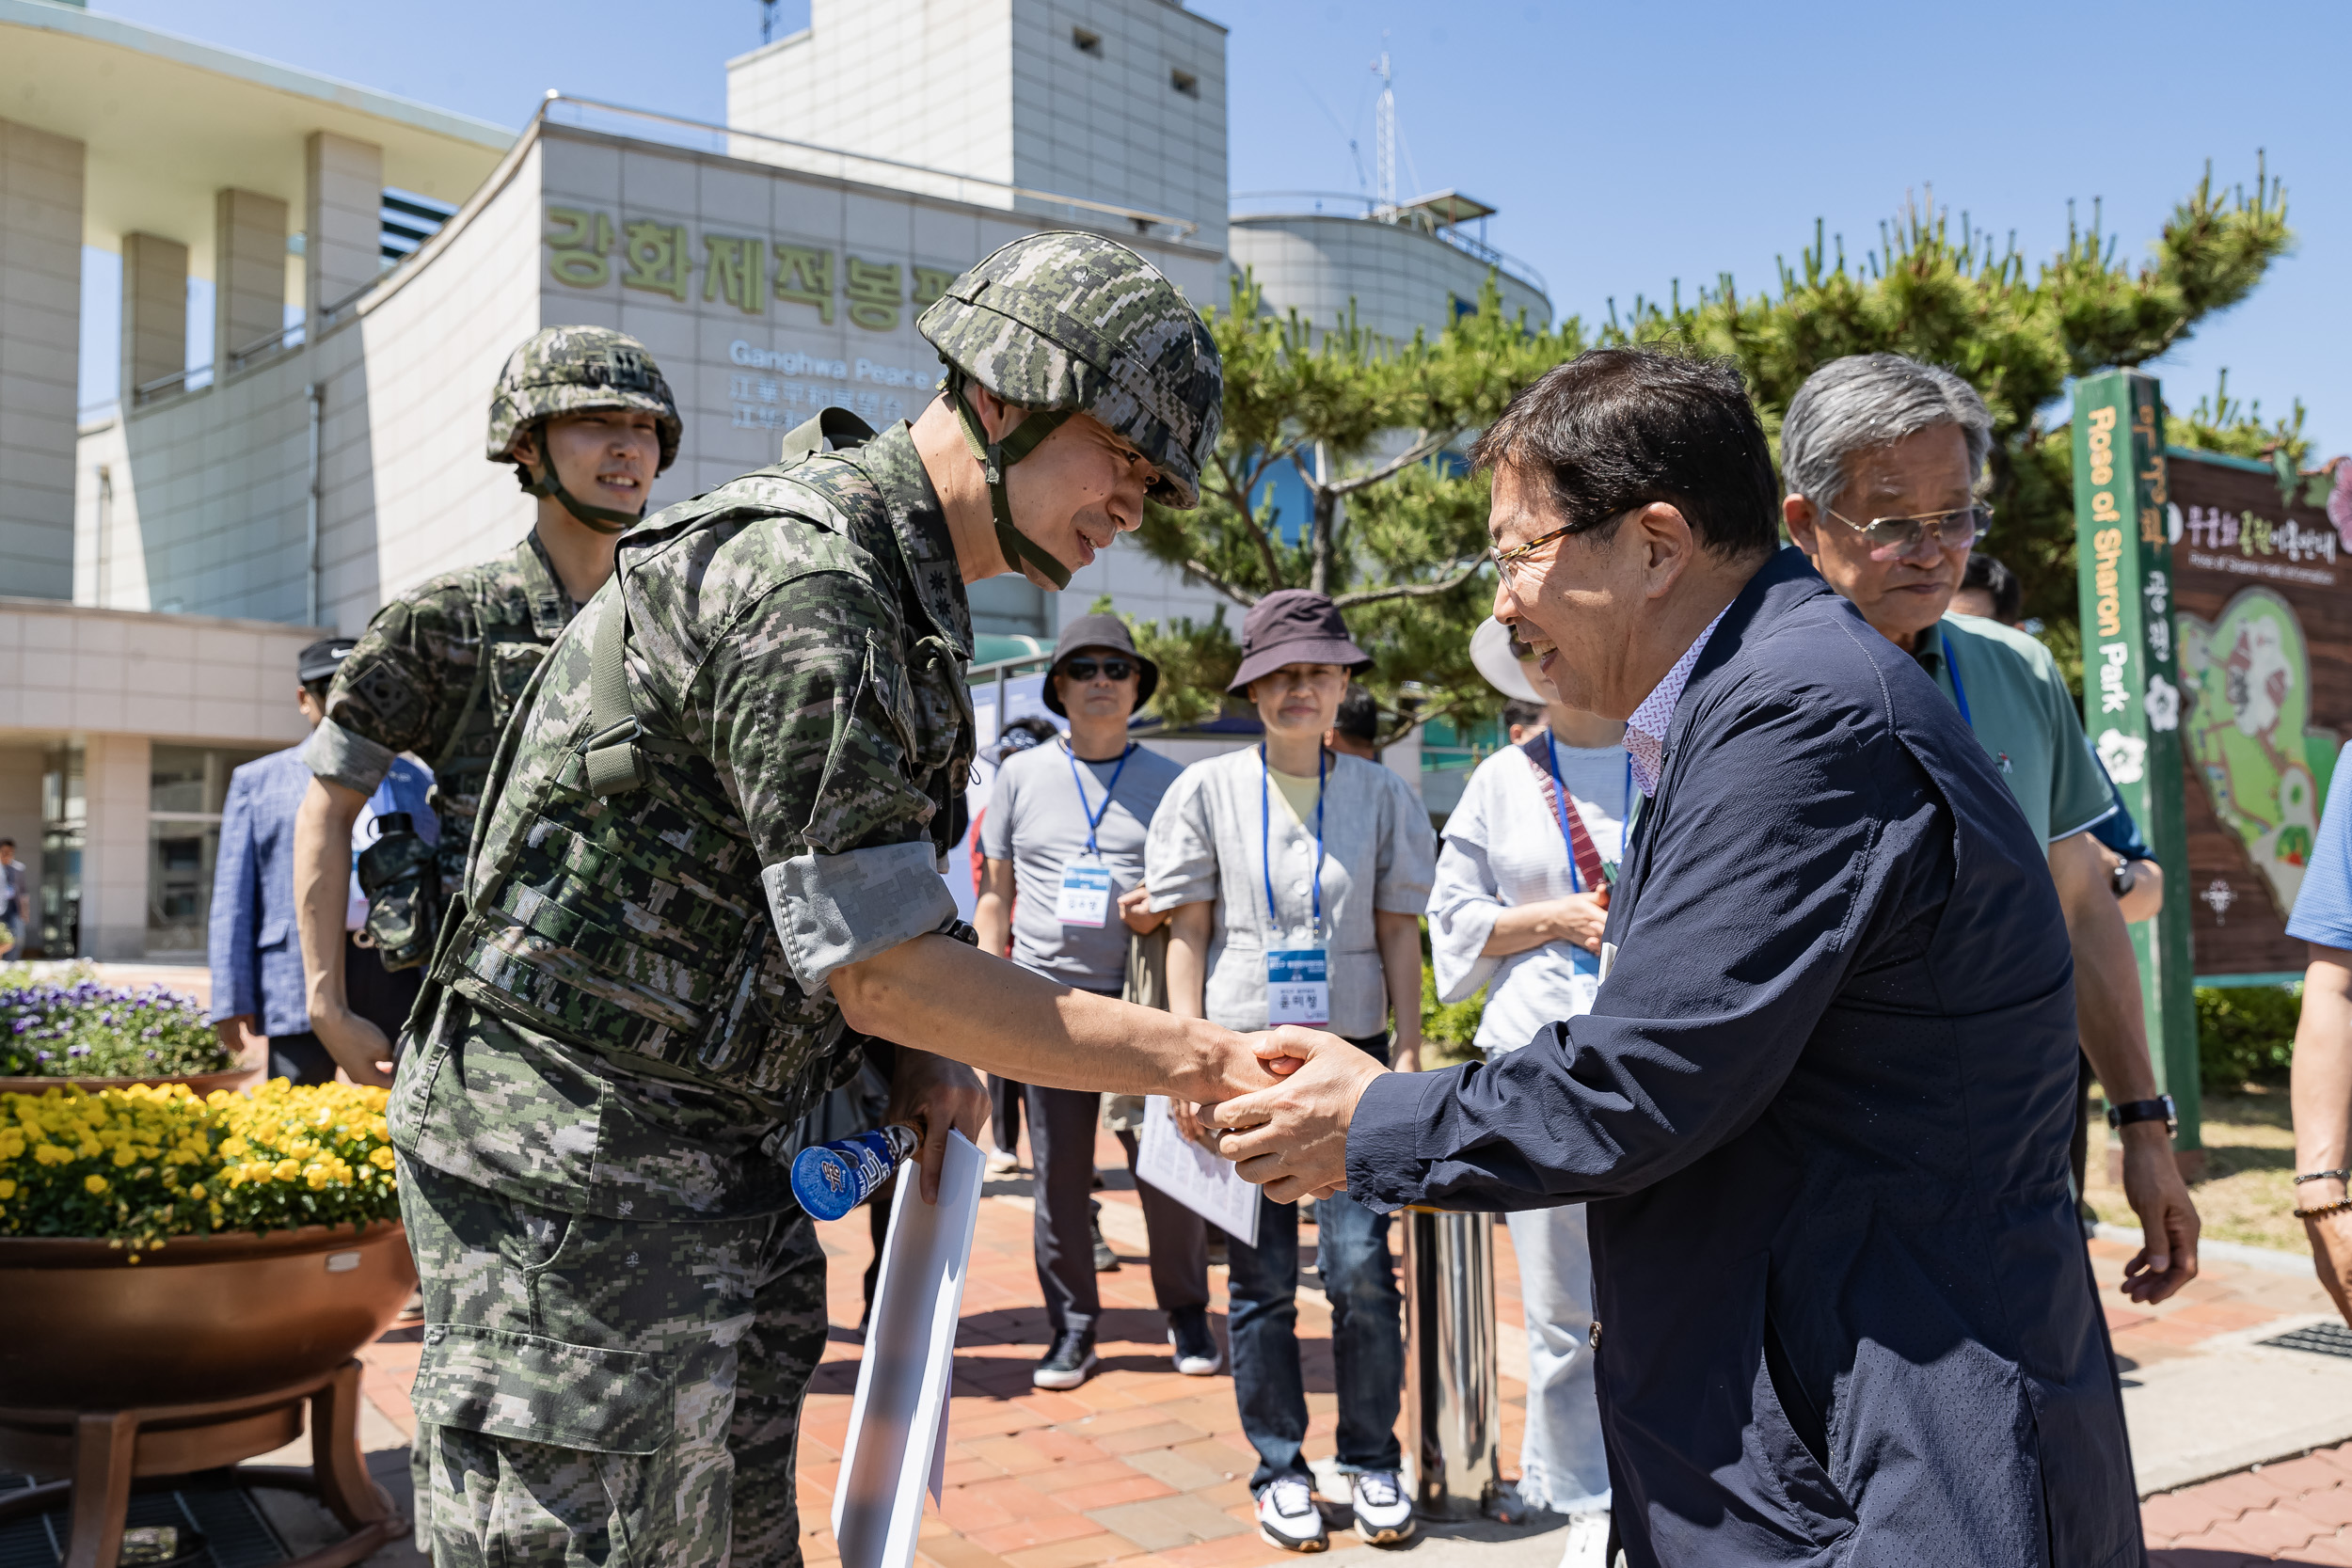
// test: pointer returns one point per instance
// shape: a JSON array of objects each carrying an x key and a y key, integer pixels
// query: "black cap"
[
  {"x": 1295, "y": 625},
  {"x": 321, "y": 658},
  {"x": 1100, "y": 631}
]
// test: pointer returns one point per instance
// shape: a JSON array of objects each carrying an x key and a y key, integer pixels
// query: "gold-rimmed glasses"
[{"x": 1892, "y": 538}]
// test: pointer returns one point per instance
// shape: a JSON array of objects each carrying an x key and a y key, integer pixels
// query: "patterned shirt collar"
[{"x": 1646, "y": 731}]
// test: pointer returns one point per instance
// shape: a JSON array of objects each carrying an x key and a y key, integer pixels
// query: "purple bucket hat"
[{"x": 1293, "y": 626}]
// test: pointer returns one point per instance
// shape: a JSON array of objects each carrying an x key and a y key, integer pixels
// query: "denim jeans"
[{"x": 1367, "y": 1332}]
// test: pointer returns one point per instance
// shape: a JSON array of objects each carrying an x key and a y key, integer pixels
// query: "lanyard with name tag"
[
  {"x": 1297, "y": 978},
  {"x": 1084, "y": 898}
]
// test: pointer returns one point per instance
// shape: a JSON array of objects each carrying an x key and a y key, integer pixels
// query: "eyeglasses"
[
  {"x": 1892, "y": 538},
  {"x": 1509, "y": 562},
  {"x": 1109, "y": 668}
]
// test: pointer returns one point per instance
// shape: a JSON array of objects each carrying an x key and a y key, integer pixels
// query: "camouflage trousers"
[{"x": 608, "y": 1392}]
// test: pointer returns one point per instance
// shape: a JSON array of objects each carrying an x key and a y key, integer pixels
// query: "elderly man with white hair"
[{"x": 1884, "y": 458}]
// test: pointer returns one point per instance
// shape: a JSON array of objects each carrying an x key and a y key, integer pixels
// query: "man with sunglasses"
[
  {"x": 1065, "y": 828},
  {"x": 1882, "y": 456}
]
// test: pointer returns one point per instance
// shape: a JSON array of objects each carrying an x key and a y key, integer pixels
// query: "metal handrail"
[
  {"x": 1184, "y": 228},
  {"x": 147, "y": 392},
  {"x": 284, "y": 338},
  {"x": 1366, "y": 210}
]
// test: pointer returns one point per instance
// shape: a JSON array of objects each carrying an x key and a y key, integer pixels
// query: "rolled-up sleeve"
[
  {"x": 342, "y": 756},
  {"x": 404, "y": 688},
  {"x": 1180, "y": 861},
  {"x": 807, "y": 708},
  {"x": 1463, "y": 907}
]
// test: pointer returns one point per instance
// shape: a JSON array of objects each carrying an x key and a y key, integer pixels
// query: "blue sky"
[{"x": 1626, "y": 146}]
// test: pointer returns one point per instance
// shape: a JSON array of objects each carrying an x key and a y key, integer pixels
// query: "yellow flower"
[
  {"x": 286, "y": 1170},
  {"x": 382, "y": 1159},
  {"x": 7, "y": 1188},
  {"x": 125, "y": 1155},
  {"x": 318, "y": 1176},
  {"x": 94, "y": 1183},
  {"x": 197, "y": 1191}
]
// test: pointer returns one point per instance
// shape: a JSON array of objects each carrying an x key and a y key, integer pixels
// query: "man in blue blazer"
[
  {"x": 1821, "y": 1107},
  {"x": 257, "y": 965}
]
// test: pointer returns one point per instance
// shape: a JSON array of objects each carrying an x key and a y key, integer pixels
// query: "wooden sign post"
[{"x": 2132, "y": 689}]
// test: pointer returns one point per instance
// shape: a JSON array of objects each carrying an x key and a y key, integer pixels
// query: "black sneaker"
[
  {"x": 1070, "y": 1363},
  {"x": 1105, "y": 1260},
  {"x": 1195, "y": 1342}
]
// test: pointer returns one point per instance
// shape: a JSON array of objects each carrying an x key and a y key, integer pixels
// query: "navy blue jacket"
[{"x": 1820, "y": 1108}]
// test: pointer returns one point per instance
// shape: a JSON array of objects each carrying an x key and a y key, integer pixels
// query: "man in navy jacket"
[{"x": 1820, "y": 1107}]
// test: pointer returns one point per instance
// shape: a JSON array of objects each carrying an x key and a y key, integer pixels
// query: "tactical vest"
[
  {"x": 520, "y": 612},
  {"x": 634, "y": 924}
]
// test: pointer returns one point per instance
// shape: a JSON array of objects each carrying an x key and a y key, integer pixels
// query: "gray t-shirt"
[{"x": 1035, "y": 820}]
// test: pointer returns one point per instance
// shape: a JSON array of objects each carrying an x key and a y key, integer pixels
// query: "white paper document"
[
  {"x": 1202, "y": 1181},
  {"x": 898, "y": 1445}
]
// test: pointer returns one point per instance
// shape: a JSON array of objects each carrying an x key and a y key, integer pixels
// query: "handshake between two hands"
[{"x": 1284, "y": 1125}]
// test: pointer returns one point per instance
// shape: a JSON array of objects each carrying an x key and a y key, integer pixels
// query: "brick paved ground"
[
  {"x": 2299, "y": 1511},
  {"x": 2222, "y": 1299},
  {"x": 1146, "y": 1468}
]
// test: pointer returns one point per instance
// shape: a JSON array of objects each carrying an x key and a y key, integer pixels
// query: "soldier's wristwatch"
[
  {"x": 2122, "y": 876},
  {"x": 2158, "y": 1109}
]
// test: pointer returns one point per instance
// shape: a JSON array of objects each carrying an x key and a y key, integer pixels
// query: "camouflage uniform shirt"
[
  {"x": 638, "y": 995},
  {"x": 438, "y": 673}
]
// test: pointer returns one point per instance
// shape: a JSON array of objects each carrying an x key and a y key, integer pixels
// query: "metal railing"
[
  {"x": 279, "y": 341},
  {"x": 1363, "y": 209},
  {"x": 808, "y": 158}
]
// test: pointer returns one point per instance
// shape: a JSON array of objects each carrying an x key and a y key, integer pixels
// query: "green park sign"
[{"x": 2132, "y": 688}]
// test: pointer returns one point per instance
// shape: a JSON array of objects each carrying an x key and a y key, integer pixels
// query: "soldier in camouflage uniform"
[
  {"x": 580, "y": 412},
  {"x": 708, "y": 884}
]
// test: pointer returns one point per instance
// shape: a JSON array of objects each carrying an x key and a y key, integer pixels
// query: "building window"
[
  {"x": 63, "y": 832},
  {"x": 1186, "y": 83},
  {"x": 187, "y": 786},
  {"x": 1085, "y": 42}
]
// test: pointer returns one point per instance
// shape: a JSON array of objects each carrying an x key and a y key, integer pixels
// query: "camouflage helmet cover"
[
  {"x": 571, "y": 369},
  {"x": 1073, "y": 321}
]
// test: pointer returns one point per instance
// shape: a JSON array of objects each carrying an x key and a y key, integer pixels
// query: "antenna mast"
[
  {"x": 767, "y": 21},
  {"x": 1384, "y": 136}
]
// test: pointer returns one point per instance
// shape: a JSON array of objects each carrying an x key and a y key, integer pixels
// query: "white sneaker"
[
  {"x": 1587, "y": 1541},
  {"x": 1288, "y": 1517},
  {"x": 1003, "y": 1161},
  {"x": 1383, "y": 1513}
]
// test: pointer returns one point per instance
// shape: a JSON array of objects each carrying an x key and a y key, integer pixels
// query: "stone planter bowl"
[
  {"x": 204, "y": 1318},
  {"x": 199, "y": 1084}
]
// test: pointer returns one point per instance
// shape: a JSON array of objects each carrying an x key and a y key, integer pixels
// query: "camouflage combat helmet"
[
  {"x": 1063, "y": 324},
  {"x": 571, "y": 369}
]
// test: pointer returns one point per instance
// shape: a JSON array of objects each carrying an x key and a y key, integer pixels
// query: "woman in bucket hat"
[{"x": 1297, "y": 878}]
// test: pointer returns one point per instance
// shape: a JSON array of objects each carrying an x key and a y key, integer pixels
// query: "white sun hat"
[{"x": 1490, "y": 650}]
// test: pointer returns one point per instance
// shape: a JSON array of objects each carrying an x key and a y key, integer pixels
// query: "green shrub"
[{"x": 2246, "y": 1033}]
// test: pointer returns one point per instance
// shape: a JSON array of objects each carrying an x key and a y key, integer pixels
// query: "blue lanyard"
[
  {"x": 1266, "y": 837},
  {"x": 1560, "y": 804},
  {"x": 1094, "y": 818},
  {"x": 1960, "y": 692}
]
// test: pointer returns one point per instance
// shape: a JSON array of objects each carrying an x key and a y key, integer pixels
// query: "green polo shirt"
[{"x": 2018, "y": 704}]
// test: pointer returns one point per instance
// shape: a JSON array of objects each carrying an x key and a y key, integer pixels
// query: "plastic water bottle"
[{"x": 832, "y": 1179}]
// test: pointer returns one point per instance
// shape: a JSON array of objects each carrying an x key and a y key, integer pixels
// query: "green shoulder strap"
[
  {"x": 996, "y": 457},
  {"x": 615, "y": 756}
]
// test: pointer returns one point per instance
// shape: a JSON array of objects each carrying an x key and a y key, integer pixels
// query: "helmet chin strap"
[
  {"x": 997, "y": 456},
  {"x": 604, "y": 519}
]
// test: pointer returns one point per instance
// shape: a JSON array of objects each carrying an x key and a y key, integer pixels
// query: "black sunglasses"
[{"x": 1109, "y": 668}]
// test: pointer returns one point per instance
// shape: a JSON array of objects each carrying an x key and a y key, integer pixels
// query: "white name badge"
[
  {"x": 1298, "y": 985},
  {"x": 1086, "y": 895}
]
